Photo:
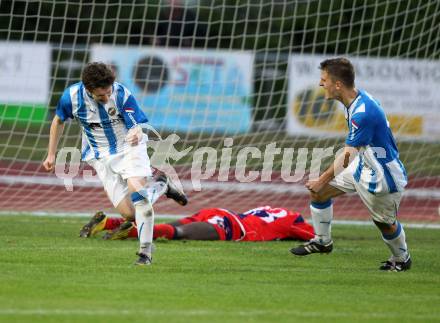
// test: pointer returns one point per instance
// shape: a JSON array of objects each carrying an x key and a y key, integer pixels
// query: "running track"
[{"x": 25, "y": 187}]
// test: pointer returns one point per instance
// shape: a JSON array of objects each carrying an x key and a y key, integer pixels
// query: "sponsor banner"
[
  {"x": 24, "y": 72},
  {"x": 186, "y": 90},
  {"x": 407, "y": 90}
]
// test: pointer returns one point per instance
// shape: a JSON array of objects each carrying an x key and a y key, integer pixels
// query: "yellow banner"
[{"x": 312, "y": 110}]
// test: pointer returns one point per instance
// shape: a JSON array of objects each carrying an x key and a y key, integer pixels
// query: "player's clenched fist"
[
  {"x": 134, "y": 135},
  {"x": 49, "y": 163}
]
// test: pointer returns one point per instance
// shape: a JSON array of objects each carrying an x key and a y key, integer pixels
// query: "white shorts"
[
  {"x": 382, "y": 207},
  {"x": 114, "y": 170}
]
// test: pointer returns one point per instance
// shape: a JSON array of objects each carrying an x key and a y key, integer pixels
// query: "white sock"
[
  {"x": 155, "y": 190},
  {"x": 322, "y": 215},
  {"x": 397, "y": 243},
  {"x": 144, "y": 222}
]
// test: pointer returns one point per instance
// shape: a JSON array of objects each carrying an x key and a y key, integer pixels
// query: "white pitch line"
[
  {"x": 280, "y": 188},
  {"x": 215, "y": 313}
]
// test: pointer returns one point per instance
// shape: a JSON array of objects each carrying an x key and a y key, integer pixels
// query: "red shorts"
[{"x": 225, "y": 222}]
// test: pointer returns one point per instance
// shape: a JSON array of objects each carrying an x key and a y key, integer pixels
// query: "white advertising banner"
[
  {"x": 24, "y": 72},
  {"x": 408, "y": 90}
]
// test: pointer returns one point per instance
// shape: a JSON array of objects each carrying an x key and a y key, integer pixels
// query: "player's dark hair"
[
  {"x": 97, "y": 75},
  {"x": 339, "y": 69}
]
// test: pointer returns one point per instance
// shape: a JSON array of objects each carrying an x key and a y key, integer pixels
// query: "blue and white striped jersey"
[
  {"x": 379, "y": 169},
  {"x": 104, "y": 127}
]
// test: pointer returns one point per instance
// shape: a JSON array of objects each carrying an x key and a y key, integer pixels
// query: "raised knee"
[
  {"x": 385, "y": 227},
  {"x": 128, "y": 216}
]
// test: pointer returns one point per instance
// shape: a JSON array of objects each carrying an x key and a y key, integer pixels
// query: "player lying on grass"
[
  {"x": 375, "y": 172},
  {"x": 260, "y": 224}
]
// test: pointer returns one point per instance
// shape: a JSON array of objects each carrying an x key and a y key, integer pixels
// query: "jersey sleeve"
[
  {"x": 360, "y": 130},
  {"x": 129, "y": 108},
  {"x": 64, "y": 106}
]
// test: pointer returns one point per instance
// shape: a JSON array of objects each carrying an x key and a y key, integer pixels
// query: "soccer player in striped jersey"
[
  {"x": 370, "y": 166},
  {"x": 114, "y": 145}
]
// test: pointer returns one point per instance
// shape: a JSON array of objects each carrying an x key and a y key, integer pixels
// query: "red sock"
[
  {"x": 164, "y": 230},
  {"x": 133, "y": 233},
  {"x": 113, "y": 223}
]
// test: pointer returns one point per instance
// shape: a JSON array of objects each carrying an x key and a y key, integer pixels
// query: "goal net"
[{"x": 231, "y": 92}]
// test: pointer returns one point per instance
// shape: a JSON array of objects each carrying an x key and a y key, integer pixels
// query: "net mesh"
[{"x": 221, "y": 75}]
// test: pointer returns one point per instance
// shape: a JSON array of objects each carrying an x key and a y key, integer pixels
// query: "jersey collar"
[
  {"x": 353, "y": 103},
  {"x": 90, "y": 106}
]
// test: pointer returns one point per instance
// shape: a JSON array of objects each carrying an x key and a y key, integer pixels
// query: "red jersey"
[
  {"x": 266, "y": 224},
  {"x": 260, "y": 224}
]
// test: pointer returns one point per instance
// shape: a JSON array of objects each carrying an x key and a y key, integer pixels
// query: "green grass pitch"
[{"x": 48, "y": 274}]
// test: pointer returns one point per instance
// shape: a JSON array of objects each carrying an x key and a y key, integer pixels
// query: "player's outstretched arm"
[{"x": 56, "y": 130}]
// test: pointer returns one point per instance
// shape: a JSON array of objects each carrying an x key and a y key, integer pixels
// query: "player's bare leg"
[
  {"x": 321, "y": 209},
  {"x": 196, "y": 231},
  {"x": 126, "y": 208},
  {"x": 188, "y": 231}
]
